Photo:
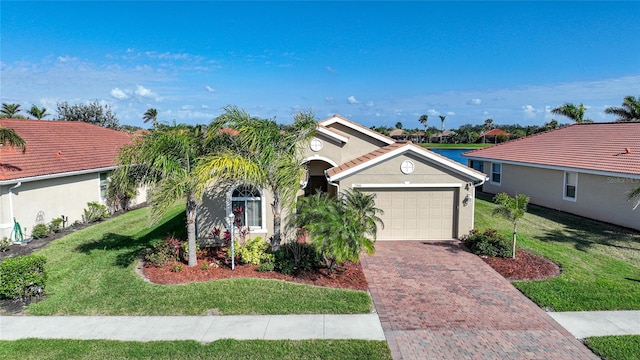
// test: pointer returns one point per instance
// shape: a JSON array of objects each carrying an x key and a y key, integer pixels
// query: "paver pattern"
[{"x": 435, "y": 300}]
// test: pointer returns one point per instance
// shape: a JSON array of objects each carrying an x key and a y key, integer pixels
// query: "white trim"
[
  {"x": 499, "y": 183},
  {"x": 331, "y": 134},
  {"x": 359, "y": 128},
  {"x": 321, "y": 158},
  {"x": 407, "y": 185},
  {"x": 58, "y": 175},
  {"x": 561, "y": 168},
  {"x": 410, "y": 148},
  {"x": 564, "y": 187}
]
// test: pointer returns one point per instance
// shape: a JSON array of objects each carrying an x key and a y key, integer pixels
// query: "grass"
[
  {"x": 92, "y": 272},
  {"x": 222, "y": 349},
  {"x": 456, "y": 146},
  {"x": 600, "y": 262},
  {"x": 615, "y": 347}
]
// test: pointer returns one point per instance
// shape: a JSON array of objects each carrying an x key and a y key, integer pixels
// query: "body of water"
[{"x": 453, "y": 154}]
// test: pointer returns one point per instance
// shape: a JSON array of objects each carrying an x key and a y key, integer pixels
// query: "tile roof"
[
  {"x": 495, "y": 132},
  {"x": 408, "y": 146},
  {"x": 55, "y": 147},
  {"x": 605, "y": 147},
  {"x": 354, "y": 125}
]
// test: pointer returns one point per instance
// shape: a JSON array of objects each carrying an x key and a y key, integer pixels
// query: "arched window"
[{"x": 246, "y": 204}]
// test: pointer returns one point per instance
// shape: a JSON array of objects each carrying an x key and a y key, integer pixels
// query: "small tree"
[
  {"x": 92, "y": 113},
  {"x": 512, "y": 209},
  {"x": 423, "y": 120},
  {"x": 10, "y": 110},
  {"x": 340, "y": 228},
  {"x": 37, "y": 112}
]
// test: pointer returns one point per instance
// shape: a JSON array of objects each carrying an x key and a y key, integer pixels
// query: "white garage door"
[{"x": 416, "y": 214}]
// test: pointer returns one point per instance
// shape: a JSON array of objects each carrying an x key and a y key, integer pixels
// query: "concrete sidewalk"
[
  {"x": 583, "y": 324},
  {"x": 199, "y": 328}
]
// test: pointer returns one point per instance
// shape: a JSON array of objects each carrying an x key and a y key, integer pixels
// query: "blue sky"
[{"x": 376, "y": 63}]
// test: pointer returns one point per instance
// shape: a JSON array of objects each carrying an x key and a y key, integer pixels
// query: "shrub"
[
  {"x": 22, "y": 276},
  {"x": 255, "y": 251},
  {"x": 95, "y": 212},
  {"x": 177, "y": 268},
  {"x": 295, "y": 256},
  {"x": 488, "y": 243},
  {"x": 265, "y": 266},
  {"x": 55, "y": 225},
  {"x": 164, "y": 251},
  {"x": 40, "y": 231},
  {"x": 5, "y": 242}
]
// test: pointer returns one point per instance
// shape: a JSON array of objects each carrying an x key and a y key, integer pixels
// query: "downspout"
[
  {"x": 11, "y": 214},
  {"x": 332, "y": 183}
]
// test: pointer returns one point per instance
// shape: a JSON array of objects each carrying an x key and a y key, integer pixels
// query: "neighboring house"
[
  {"x": 584, "y": 169},
  {"x": 443, "y": 137},
  {"x": 401, "y": 135},
  {"x": 66, "y": 165},
  {"x": 494, "y": 136},
  {"x": 424, "y": 196}
]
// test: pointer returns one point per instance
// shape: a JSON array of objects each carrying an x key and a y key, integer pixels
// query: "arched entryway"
[{"x": 317, "y": 180}]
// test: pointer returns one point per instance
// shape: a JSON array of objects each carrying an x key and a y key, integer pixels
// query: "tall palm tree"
[
  {"x": 573, "y": 112},
  {"x": 488, "y": 124},
  {"x": 512, "y": 209},
  {"x": 423, "y": 120},
  {"x": 442, "y": 117},
  {"x": 9, "y": 137},
  {"x": 37, "y": 112},
  {"x": 630, "y": 110},
  {"x": 265, "y": 156},
  {"x": 165, "y": 161},
  {"x": 10, "y": 110},
  {"x": 151, "y": 115}
]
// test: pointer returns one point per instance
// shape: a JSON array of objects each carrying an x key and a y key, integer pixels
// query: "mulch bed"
[
  {"x": 525, "y": 266},
  {"x": 347, "y": 276}
]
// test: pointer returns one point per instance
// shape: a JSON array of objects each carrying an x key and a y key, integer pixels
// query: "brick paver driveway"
[{"x": 437, "y": 301}]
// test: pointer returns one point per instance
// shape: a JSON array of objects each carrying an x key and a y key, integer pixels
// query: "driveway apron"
[{"x": 435, "y": 300}]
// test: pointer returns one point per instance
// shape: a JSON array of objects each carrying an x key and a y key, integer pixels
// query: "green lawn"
[
  {"x": 456, "y": 146},
  {"x": 222, "y": 349},
  {"x": 600, "y": 262},
  {"x": 92, "y": 272},
  {"x": 615, "y": 347}
]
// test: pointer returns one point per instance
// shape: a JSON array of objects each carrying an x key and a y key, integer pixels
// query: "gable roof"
[
  {"x": 605, "y": 148},
  {"x": 59, "y": 147},
  {"x": 355, "y": 126},
  {"x": 386, "y": 152}
]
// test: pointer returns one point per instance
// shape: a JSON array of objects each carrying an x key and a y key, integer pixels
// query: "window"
[
  {"x": 104, "y": 183},
  {"x": 246, "y": 204},
  {"x": 570, "y": 185},
  {"x": 496, "y": 173},
  {"x": 477, "y": 165},
  {"x": 407, "y": 167}
]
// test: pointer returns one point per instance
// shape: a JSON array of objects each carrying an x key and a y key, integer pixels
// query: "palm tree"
[
  {"x": 630, "y": 110},
  {"x": 10, "y": 110},
  {"x": 151, "y": 115},
  {"x": 165, "y": 161},
  {"x": 265, "y": 156},
  {"x": 37, "y": 112},
  {"x": 9, "y": 137},
  {"x": 575, "y": 113},
  {"x": 442, "y": 117},
  {"x": 340, "y": 228},
  {"x": 423, "y": 120},
  {"x": 488, "y": 124},
  {"x": 512, "y": 209}
]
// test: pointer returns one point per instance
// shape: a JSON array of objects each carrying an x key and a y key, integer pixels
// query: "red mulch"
[
  {"x": 346, "y": 276},
  {"x": 525, "y": 266}
]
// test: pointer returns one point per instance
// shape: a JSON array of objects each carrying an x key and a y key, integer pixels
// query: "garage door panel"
[{"x": 416, "y": 214}]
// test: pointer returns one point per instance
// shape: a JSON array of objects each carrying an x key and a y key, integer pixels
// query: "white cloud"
[
  {"x": 352, "y": 100},
  {"x": 433, "y": 112},
  {"x": 186, "y": 107},
  {"x": 450, "y": 113},
  {"x": 210, "y": 89},
  {"x": 475, "y": 101},
  {"x": 530, "y": 111},
  {"x": 66, "y": 59},
  {"x": 119, "y": 94},
  {"x": 204, "y": 106},
  {"x": 370, "y": 104},
  {"x": 329, "y": 100},
  {"x": 330, "y": 69},
  {"x": 143, "y": 92}
]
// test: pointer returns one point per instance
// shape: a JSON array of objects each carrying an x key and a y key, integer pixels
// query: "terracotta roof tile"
[
  {"x": 607, "y": 147},
  {"x": 365, "y": 158},
  {"x": 496, "y": 132},
  {"x": 59, "y": 147}
]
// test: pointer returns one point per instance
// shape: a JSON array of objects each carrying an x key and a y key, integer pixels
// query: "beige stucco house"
[
  {"x": 584, "y": 169},
  {"x": 66, "y": 165},
  {"x": 424, "y": 196}
]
